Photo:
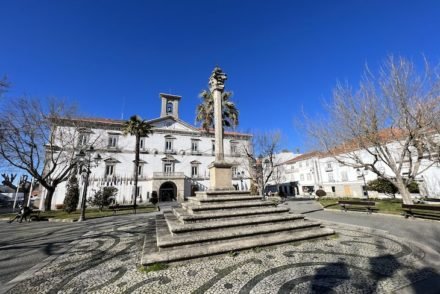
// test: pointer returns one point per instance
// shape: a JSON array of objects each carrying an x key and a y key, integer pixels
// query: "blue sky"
[{"x": 281, "y": 56}]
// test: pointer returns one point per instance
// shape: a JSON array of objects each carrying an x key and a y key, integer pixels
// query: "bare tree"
[
  {"x": 4, "y": 85},
  {"x": 261, "y": 156},
  {"x": 32, "y": 140},
  {"x": 389, "y": 125}
]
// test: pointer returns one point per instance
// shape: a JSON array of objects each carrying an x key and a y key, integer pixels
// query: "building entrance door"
[
  {"x": 167, "y": 192},
  {"x": 347, "y": 191}
]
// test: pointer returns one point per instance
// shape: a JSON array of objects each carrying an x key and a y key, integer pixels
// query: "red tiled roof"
[
  {"x": 384, "y": 136},
  {"x": 97, "y": 120},
  {"x": 120, "y": 122},
  {"x": 304, "y": 157},
  {"x": 211, "y": 131}
]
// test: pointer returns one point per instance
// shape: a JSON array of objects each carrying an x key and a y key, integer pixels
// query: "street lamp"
[
  {"x": 362, "y": 174},
  {"x": 84, "y": 158}
]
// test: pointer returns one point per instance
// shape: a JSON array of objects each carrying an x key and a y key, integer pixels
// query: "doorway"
[{"x": 168, "y": 192}]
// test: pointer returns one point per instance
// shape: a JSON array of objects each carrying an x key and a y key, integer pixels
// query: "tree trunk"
[
  {"x": 404, "y": 192},
  {"x": 136, "y": 170},
  {"x": 48, "y": 200}
]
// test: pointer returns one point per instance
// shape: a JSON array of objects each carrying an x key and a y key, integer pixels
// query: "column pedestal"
[{"x": 220, "y": 176}]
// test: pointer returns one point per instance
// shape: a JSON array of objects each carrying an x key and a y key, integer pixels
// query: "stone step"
[
  {"x": 169, "y": 240},
  {"x": 176, "y": 226},
  {"x": 220, "y": 199},
  {"x": 221, "y": 206},
  {"x": 184, "y": 216},
  {"x": 200, "y": 250},
  {"x": 205, "y": 194}
]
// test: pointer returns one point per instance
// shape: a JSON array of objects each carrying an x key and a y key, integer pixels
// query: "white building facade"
[
  {"x": 312, "y": 171},
  {"x": 174, "y": 160}
]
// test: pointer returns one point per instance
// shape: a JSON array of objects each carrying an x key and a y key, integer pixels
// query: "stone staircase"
[{"x": 221, "y": 222}]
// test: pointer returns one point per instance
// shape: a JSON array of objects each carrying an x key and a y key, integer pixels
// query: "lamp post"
[
  {"x": 21, "y": 184},
  {"x": 361, "y": 174},
  {"x": 84, "y": 158}
]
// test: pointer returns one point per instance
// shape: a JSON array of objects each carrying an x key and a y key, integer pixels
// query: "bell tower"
[{"x": 170, "y": 105}]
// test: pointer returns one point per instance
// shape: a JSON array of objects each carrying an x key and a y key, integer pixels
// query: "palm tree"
[
  {"x": 137, "y": 127},
  {"x": 205, "y": 111}
]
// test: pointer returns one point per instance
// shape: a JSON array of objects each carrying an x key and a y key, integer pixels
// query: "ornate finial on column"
[{"x": 217, "y": 80}]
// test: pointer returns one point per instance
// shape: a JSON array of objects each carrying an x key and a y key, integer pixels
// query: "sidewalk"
[{"x": 426, "y": 232}]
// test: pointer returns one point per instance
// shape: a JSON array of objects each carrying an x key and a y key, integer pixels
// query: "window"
[
  {"x": 169, "y": 107},
  {"x": 112, "y": 141},
  {"x": 140, "y": 170},
  {"x": 194, "y": 170},
  {"x": 142, "y": 144},
  {"x": 139, "y": 191},
  {"x": 301, "y": 177},
  {"x": 330, "y": 177},
  {"x": 329, "y": 165},
  {"x": 234, "y": 148},
  {"x": 307, "y": 163},
  {"x": 83, "y": 139},
  {"x": 168, "y": 145},
  {"x": 333, "y": 189},
  {"x": 213, "y": 147},
  {"x": 234, "y": 171},
  {"x": 300, "y": 164},
  {"x": 194, "y": 146},
  {"x": 109, "y": 170},
  {"x": 344, "y": 176},
  {"x": 309, "y": 177},
  {"x": 168, "y": 168}
]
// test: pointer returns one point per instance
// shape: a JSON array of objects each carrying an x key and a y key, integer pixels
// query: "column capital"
[{"x": 217, "y": 80}]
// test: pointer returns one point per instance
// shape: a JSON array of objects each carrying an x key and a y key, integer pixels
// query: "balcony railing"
[
  {"x": 168, "y": 174},
  {"x": 170, "y": 151}
]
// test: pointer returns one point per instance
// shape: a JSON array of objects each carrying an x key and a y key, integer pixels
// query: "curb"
[
  {"x": 385, "y": 214},
  {"x": 65, "y": 220}
]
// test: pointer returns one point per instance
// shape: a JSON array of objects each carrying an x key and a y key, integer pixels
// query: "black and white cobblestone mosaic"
[{"x": 356, "y": 261}]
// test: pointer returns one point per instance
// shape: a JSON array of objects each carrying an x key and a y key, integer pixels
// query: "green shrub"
[
  {"x": 320, "y": 193},
  {"x": 413, "y": 187},
  {"x": 103, "y": 197},
  {"x": 382, "y": 186},
  {"x": 72, "y": 194},
  {"x": 154, "y": 199}
]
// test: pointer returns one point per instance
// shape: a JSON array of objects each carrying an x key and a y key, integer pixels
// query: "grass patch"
[
  {"x": 333, "y": 237},
  {"x": 90, "y": 213},
  {"x": 154, "y": 267},
  {"x": 390, "y": 206},
  {"x": 233, "y": 253},
  {"x": 257, "y": 249}
]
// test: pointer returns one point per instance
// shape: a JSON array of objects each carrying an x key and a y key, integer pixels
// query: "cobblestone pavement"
[{"x": 356, "y": 260}]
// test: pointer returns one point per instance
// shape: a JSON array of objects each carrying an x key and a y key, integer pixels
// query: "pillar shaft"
[{"x": 218, "y": 121}]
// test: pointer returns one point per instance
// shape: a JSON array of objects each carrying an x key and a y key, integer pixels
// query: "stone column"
[
  {"x": 220, "y": 171},
  {"x": 216, "y": 83}
]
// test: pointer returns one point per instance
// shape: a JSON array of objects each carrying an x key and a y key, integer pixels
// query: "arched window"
[{"x": 170, "y": 107}]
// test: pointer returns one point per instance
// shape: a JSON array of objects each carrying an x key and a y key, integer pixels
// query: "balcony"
[
  {"x": 170, "y": 151},
  {"x": 328, "y": 169},
  {"x": 168, "y": 175}
]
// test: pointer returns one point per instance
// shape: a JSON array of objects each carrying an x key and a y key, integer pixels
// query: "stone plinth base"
[{"x": 220, "y": 176}]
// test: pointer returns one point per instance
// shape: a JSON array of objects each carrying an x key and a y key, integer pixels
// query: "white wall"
[{"x": 152, "y": 158}]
